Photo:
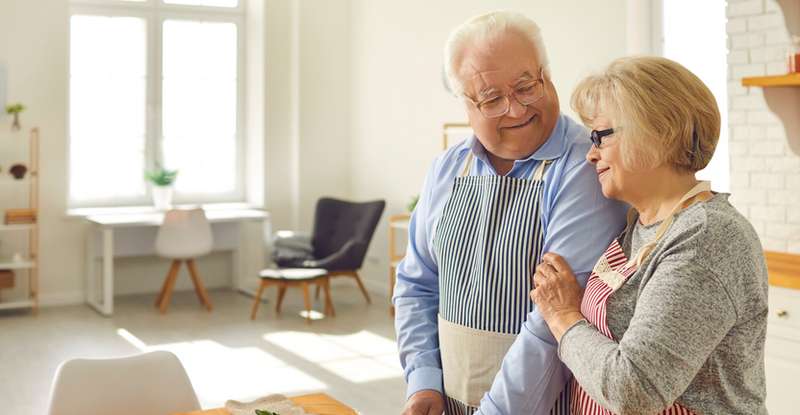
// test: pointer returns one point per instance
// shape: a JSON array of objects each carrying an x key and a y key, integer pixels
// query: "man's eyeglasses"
[
  {"x": 597, "y": 136},
  {"x": 526, "y": 93}
]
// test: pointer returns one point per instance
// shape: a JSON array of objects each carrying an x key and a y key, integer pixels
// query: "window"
[
  {"x": 155, "y": 82},
  {"x": 694, "y": 34}
]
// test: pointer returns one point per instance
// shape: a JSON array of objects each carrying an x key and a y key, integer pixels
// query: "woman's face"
[{"x": 615, "y": 179}]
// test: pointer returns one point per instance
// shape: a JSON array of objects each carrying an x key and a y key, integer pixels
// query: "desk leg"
[
  {"x": 91, "y": 294},
  {"x": 108, "y": 271}
]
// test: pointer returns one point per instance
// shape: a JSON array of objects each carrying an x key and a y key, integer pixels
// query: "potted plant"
[
  {"x": 14, "y": 110},
  {"x": 161, "y": 180},
  {"x": 412, "y": 204}
]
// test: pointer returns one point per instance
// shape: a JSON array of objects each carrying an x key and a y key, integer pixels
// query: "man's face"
[{"x": 495, "y": 68}]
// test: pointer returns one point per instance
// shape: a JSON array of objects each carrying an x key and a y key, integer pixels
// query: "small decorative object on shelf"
[
  {"x": 14, "y": 110},
  {"x": 794, "y": 56},
  {"x": 20, "y": 216},
  {"x": 6, "y": 279},
  {"x": 162, "y": 180},
  {"x": 18, "y": 171}
]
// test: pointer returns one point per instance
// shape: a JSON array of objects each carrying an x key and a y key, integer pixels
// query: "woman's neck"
[{"x": 662, "y": 191}]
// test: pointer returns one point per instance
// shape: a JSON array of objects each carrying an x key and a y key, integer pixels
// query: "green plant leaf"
[{"x": 161, "y": 176}]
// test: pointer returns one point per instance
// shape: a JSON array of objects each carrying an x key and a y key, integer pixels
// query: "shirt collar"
[{"x": 553, "y": 147}]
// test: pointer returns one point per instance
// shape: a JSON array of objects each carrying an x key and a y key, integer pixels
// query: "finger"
[
  {"x": 435, "y": 410},
  {"x": 538, "y": 278},
  {"x": 547, "y": 270},
  {"x": 557, "y": 261}
]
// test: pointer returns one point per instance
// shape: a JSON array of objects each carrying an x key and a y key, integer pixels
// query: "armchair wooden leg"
[
  {"x": 281, "y": 293},
  {"x": 307, "y": 300},
  {"x": 326, "y": 286},
  {"x": 202, "y": 295},
  {"x": 169, "y": 285},
  {"x": 257, "y": 299},
  {"x": 173, "y": 269},
  {"x": 354, "y": 274}
]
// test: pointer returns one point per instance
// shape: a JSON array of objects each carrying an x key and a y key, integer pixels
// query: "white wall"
[
  {"x": 399, "y": 104},
  {"x": 765, "y": 174}
]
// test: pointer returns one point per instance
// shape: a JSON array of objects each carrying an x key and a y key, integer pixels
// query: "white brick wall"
[{"x": 765, "y": 174}]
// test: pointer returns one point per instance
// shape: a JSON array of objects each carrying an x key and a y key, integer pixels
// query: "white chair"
[
  {"x": 152, "y": 383},
  {"x": 184, "y": 236}
]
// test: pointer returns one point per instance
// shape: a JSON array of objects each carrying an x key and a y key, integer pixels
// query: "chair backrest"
[
  {"x": 184, "y": 234},
  {"x": 337, "y": 222},
  {"x": 153, "y": 383}
]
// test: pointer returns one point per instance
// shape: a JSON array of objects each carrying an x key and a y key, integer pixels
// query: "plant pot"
[{"x": 162, "y": 197}]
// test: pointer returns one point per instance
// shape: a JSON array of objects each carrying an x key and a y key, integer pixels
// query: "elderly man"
[{"x": 470, "y": 338}]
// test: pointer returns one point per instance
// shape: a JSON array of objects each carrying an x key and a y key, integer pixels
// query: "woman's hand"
[{"x": 557, "y": 294}]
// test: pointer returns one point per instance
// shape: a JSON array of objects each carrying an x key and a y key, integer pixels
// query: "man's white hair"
[{"x": 485, "y": 27}]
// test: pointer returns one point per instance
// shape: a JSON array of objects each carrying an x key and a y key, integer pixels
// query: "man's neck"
[{"x": 501, "y": 166}]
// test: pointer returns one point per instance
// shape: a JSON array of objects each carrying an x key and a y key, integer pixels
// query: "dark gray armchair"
[{"x": 339, "y": 242}]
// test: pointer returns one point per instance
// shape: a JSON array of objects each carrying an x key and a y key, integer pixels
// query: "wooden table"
[{"x": 315, "y": 403}]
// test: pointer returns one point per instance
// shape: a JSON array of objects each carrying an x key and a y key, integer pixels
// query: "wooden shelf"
[
  {"x": 17, "y": 304},
  {"x": 20, "y": 227},
  {"x": 791, "y": 80},
  {"x": 784, "y": 269},
  {"x": 7, "y": 263}
]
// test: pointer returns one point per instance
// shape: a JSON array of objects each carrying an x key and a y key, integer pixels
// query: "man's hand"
[{"x": 425, "y": 402}]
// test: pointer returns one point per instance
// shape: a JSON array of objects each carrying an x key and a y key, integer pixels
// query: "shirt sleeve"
[
  {"x": 681, "y": 314},
  {"x": 416, "y": 302},
  {"x": 579, "y": 224}
]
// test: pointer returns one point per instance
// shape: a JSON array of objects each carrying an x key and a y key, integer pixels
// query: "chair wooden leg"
[
  {"x": 326, "y": 285},
  {"x": 281, "y": 293},
  {"x": 257, "y": 301},
  {"x": 169, "y": 285},
  {"x": 202, "y": 295},
  {"x": 173, "y": 269},
  {"x": 354, "y": 274},
  {"x": 316, "y": 294},
  {"x": 307, "y": 300}
]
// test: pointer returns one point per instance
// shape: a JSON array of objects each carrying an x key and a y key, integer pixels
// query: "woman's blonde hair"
[{"x": 662, "y": 113}]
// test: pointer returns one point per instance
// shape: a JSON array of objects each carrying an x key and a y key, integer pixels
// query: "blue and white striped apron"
[{"x": 488, "y": 241}]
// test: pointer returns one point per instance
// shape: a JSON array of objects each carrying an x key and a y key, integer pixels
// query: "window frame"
[{"x": 155, "y": 13}]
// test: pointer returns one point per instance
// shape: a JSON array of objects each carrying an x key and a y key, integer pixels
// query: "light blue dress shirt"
[{"x": 578, "y": 222}]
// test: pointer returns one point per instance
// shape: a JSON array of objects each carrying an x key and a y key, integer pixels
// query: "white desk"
[{"x": 138, "y": 226}]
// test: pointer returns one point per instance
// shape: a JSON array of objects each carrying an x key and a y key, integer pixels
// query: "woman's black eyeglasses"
[{"x": 597, "y": 136}]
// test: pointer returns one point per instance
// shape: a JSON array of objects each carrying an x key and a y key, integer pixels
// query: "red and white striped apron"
[{"x": 609, "y": 274}]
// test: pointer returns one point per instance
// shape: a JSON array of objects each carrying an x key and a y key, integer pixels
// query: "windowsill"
[{"x": 81, "y": 213}]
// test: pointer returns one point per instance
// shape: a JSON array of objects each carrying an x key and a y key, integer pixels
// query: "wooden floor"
[{"x": 351, "y": 357}]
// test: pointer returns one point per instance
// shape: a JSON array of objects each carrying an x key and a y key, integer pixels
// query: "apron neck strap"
[
  {"x": 538, "y": 173},
  {"x": 467, "y": 164},
  {"x": 700, "y": 192}
]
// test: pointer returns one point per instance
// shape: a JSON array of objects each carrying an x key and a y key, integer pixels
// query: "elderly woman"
[{"x": 674, "y": 314}]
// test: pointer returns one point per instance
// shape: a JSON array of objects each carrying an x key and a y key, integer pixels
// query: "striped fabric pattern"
[
  {"x": 486, "y": 252},
  {"x": 454, "y": 407},
  {"x": 593, "y": 307},
  {"x": 488, "y": 241}
]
